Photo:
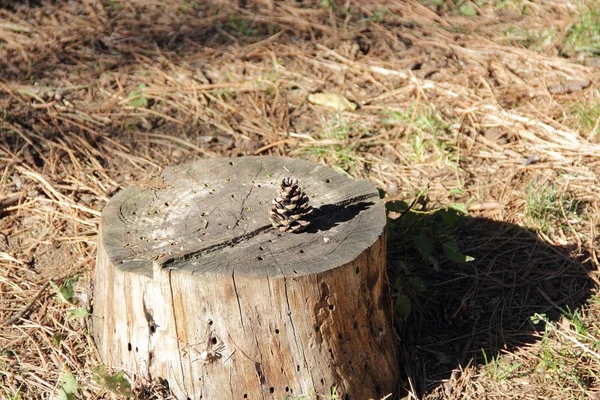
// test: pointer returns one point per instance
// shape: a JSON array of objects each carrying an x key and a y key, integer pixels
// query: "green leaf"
[
  {"x": 450, "y": 217},
  {"x": 424, "y": 245},
  {"x": 418, "y": 284},
  {"x": 467, "y": 9},
  {"x": 69, "y": 386},
  {"x": 402, "y": 306},
  {"x": 116, "y": 383},
  {"x": 66, "y": 291},
  {"x": 398, "y": 206},
  {"x": 137, "y": 97},
  {"x": 461, "y": 207},
  {"x": 57, "y": 337},
  {"x": 537, "y": 318},
  {"x": 81, "y": 312},
  {"x": 452, "y": 253}
]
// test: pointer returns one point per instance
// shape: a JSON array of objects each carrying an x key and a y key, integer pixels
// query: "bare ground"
[{"x": 479, "y": 113}]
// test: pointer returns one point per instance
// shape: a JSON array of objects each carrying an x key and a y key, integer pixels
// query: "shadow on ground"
[
  {"x": 472, "y": 287},
  {"x": 78, "y": 39},
  {"x": 81, "y": 38}
]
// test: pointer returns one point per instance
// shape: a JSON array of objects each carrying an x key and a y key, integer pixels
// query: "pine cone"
[
  {"x": 456, "y": 312},
  {"x": 290, "y": 211}
]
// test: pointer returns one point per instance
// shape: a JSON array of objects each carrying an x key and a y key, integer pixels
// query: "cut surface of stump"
[{"x": 194, "y": 285}]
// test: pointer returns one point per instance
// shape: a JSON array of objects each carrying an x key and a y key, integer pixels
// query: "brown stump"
[{"x": 193, "y": 285}]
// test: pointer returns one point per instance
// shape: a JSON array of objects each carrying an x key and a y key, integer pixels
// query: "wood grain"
[{"x": 194, "y": 285}]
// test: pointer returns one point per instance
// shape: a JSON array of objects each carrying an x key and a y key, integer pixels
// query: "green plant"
[
  {"x": 511, "y": 5},
  {"x": 464, "y": 7},
  {"x": 500, "y": 369},
  {"x": 577, "y": 320},
  {"x": 239, "y": 25},
  {"x": 16, "y": 396},
  {"x": 187, "y": 6},
  {"x": 115, "y": 5},
  {"x": 69, "y": 386},
  {"x": 428, "y": 234},
  {"x": 336, "y": 146},
  {"x": 587, "y": 117},
  {"x": 327, "y": 4},
  {"x": 530, "y": 39},
  {"x": 333, "y": 393},
  {"x": 137, "y": 97},
  {"x": 467, "y": 9},
  {"x": 66, "y": 291},
  {"x": 378, "y": 15},
  {"x": 546, "y": 209},
  {"x": 428, "y": 134},
  {"x": 308, "y": 396},
  {"x": 116, "y": 383},
  {"x": 584, "y": 36},
  {"x": 562, "y": 361}
]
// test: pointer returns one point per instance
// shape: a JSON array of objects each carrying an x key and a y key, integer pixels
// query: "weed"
[
  {"x": 308, "y": 396},
  {"x": 68, "y": 390},
  {"x": 584, "y": 36},
  {"x": 240, "y": 26},
  {"x": 511, "y": 5},
  {"x": 427, "y": 134},
  {"x": 115, "y": 5},
  {"x": 560, "y": 361},
  {"x": 137, "y": 97},
  {"x": 337, "y": 147},
  {"x": 546, "y": 208},
  {"x": 333, "y": 394},
  {"x": 464, "y": 7},
  {"x": 66, "y": 291},
  {"x": 499, "y": 368},
  {"x": 16, "y": 396},
  {"x": 587, "y": 118},
  {"x": 530, "y": 39},
  {"x": 577, "y": 321},
  {"x": 431, "y": 235},
  {"x": 187, "y": 6},
  {"x": 116, "y": 383},
  {"x": 327, "y": 4},
  {"x": 80, "y": 312},
  {"x": 378, "y": 15}
]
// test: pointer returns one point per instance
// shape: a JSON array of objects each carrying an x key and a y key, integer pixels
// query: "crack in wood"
[
  {"x": 149, "y": 317},
  {"x": 258, "y": 366},
  {"x": 215, "y": 247},
  {"x": 241, "y": 218},
  {"x": 287, "y": 301},
  {"x": 300, "y": 348},
  {"x": 166, "y": 262},
  {"x": 172, "y": 298},
  {"x": 237, "y": 297}
]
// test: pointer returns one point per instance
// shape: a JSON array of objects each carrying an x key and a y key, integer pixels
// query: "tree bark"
[{"x": 194, "y": 285}]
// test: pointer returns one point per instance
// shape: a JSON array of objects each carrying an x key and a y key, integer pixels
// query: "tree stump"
[{"x": 194, "y": 285}]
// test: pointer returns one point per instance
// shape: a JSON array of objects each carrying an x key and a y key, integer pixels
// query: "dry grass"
[{"x": 499, "y": 111}]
